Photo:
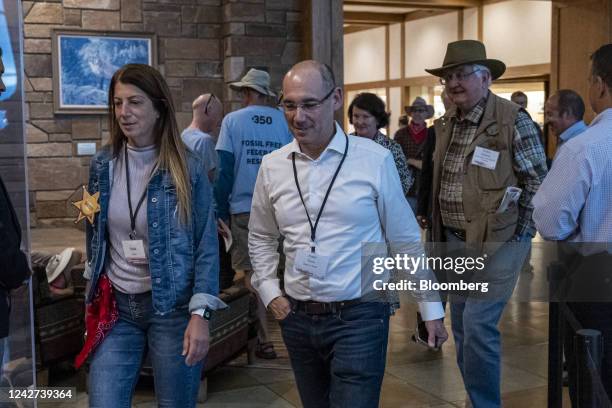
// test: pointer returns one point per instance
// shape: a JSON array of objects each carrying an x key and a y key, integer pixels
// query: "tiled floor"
[{"x": 414, "y": 376}]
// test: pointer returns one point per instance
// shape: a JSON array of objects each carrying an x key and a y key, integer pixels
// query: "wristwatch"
[{"x": 205, "y": 313}]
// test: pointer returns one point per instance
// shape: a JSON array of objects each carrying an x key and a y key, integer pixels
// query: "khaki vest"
[{"x": 483, "y": 189}]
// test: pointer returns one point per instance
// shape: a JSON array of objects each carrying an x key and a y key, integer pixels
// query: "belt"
[
  {"x": 457, "y": 232},
  {"x": 319, "y": 308}
]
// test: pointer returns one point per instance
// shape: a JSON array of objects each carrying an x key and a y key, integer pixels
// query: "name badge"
[
  {"x": 311, "y": 264},
  {"x": 486, "y": 158},
  {"x": 134, "y": 252}
]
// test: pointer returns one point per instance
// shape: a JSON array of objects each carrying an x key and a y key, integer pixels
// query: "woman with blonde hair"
[{"x": 152, "y": 250}]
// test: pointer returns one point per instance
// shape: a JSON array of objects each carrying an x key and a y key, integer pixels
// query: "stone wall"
[{"x": 201, "y": 45}]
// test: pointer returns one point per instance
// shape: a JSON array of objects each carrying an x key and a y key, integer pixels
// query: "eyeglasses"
[
  {"x": 459, "y": 76},
  {"x": 308, "y": 106},
  {"x": 212, "y": 95}
]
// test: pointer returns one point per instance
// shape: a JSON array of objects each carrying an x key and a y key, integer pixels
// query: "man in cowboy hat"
[
  {"x": 412, "y": 140},
  {"x": 486, "y": 146},
  {"x": 246, "y": 136}
]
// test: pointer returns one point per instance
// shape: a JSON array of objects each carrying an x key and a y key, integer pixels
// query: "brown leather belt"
[
  {"x": 319, "y": 308},
  {"x": 460, "y": 234}
]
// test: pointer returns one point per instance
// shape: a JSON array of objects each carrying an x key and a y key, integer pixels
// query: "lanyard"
[
  {"x": 133, "y": 214},
  {"x": 313, "y": 228}
]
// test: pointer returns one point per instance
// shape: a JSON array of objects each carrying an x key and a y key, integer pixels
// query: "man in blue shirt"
[
  {"x": 563, "y": 113},
  {"x": 246, "y": 136},
  {"x": 198, "y": 136},
  {"x": 572, "y": 205}
]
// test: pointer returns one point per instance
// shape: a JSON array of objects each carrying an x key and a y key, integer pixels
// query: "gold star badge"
[{"x": 88, "y": 206}]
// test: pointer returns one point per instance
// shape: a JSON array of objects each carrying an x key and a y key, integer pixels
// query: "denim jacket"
[{"x": 183, "y": 259}]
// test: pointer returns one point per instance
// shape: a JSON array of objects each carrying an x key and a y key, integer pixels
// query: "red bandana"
[
  {"x": 100, "y": 317},
  {"x": 418, "y": 132}
]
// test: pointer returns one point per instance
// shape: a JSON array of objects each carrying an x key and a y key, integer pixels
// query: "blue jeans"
[
  {"x": 338, "y": 359},
  {"x": 115, "y": 365},
  {"x": 474, "y": 325}
]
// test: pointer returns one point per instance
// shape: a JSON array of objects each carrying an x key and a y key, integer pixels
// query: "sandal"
[{"x": 265, "y": 351}]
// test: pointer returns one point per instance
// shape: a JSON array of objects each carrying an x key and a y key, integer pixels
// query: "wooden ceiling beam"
[
  {"x": 357, "y": 17},
  {"x": 417, "y": 15},
  {"x": 357, "y": 28},
  {"x": 418, "y": 3},
  {"x": 395, "y": 5}
]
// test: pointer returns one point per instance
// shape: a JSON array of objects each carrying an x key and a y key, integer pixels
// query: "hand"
[
  {"x": 220, "y": 229},
  {"x": 437, "y": 333},
  {"x": 416, "y": 163},
  {"x": 196, "y": 340},
  {"x": 422, "y": 220},
  {"x": 280, "y": 307}
]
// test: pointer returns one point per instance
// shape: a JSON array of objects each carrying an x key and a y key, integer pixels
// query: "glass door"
[{"x": 17, "y": 362}]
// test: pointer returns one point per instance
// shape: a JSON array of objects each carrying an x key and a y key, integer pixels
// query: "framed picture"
[{"x": 85, "y": 61}]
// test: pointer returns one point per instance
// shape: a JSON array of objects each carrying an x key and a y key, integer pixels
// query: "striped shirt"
[
  {"x": 529, "y": 165},
  {"x": 573, "y": 202}
]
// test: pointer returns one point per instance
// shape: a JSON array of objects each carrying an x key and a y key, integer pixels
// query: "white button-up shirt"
[
  {"x": 365, "y": 205},
  {"x": 573, "y": 202}
]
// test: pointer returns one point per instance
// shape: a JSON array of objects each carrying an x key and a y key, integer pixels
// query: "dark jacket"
[
  {"x": 426, "y": 177},
  {"x": 412, "y": 150},
  {"x": 14, "y": 269}
]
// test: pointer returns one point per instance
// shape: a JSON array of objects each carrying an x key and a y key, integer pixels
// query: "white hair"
[{"x": 481, "y": 69}]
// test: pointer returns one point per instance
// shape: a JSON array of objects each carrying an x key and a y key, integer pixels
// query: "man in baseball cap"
[{"x": 246, "y": 136}]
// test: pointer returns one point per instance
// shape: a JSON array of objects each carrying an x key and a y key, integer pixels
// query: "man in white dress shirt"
[
  {"x": 573, "y": 205},
  {"x": 327, "y": 193}
]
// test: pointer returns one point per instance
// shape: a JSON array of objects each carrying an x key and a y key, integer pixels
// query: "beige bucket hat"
[{"x": 255, "y": 79}]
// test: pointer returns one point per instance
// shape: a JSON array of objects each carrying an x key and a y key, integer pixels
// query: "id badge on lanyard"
[
  {"x": 310, "y": 262},
  {"x": 133, "y": 251}
]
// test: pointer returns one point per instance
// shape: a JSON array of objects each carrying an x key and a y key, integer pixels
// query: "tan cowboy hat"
[
  {"x": 255, "y": 79},
  {"x": 420, "y": 103},
  {"x": 468, "y": 52}
]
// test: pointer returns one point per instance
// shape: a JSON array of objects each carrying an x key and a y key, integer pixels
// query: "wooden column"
[
  {"x": 480, "y": 27},
  {"x": 578, "y": 29},
  {"x": 324, "y": 40},
  {"x": 324, "y": 37},
  {"x": 460, "y": 24}
]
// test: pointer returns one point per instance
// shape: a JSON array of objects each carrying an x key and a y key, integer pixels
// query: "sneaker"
[{"x": 58, "y": 271}]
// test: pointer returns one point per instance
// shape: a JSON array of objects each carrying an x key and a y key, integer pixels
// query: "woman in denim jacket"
[{"x": 153, "y": 245}]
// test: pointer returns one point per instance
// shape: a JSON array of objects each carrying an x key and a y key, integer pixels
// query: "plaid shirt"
[
  {"x": 411, "y": 149},
  {"x": 529, "y": 165}
]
